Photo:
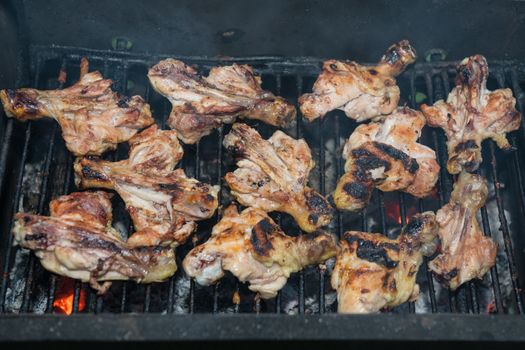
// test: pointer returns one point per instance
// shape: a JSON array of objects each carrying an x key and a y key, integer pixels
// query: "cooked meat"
[
  {"x": 373, "y": 272},
  {"x": 77, "y": 241},
  {"x": 386, "y": 155},
  {"x": 93, "y": 118},
  {"x": 361, "y": 92},
  {"x": 163, "y": 203},
  {"x": 272, "y": 175},
  {"x": 201, "y": 104},
  {"x": 254, "y": 249},
  {"x": 472, "y": 114},
  {"x": 465, "y": 252}
]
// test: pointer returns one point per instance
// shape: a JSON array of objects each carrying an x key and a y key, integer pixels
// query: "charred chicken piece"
[
  {"x": 465, "y": 252},
  {"x": 373, "y": 272},
  {"x": 361, "y": 92},
  {"x": 77, "y": 241},
  {"x": 386, "y": 155},
  {"x": 93, "y": 118},
  {"x": 252, "y": 247},
  {"x": 472, "y": 114},
  {"x": 163, "y": 203},
  {"x": 272, "y": 175},
  {"x": 201, "y": 104}
]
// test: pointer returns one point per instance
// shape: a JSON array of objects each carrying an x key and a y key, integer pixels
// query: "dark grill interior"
[{"x": 36, "y": 167}]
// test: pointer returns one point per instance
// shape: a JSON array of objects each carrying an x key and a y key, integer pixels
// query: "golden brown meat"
[
  {"x": 272, "y": 175},
  {"x": 386, "y": 155},
  {"x": 77, "y": 241},
  {"x": 465, "y": 252},
  {"x": 163, "y": 203},
  {"x": 252, "y": 247},
  {"x": 201, "y": 104},
  {"x": 93, "y": 118},
  {"x": 472, "y": 114},
  {"x": 361, "y": 92},
  {"x": 373, "y": 272}
]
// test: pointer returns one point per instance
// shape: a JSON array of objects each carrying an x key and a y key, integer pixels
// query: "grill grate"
[{"x": 36, "y": 167}]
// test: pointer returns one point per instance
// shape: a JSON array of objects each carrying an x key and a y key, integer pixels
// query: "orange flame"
[{"x": 65, "y": 296}]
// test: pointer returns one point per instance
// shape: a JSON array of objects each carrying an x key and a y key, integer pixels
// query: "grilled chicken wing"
[
  {"x": 386, "y": 155},
  {"x": 93, "y": 118},
  {"x": 201, "y": 104},
  {"x": 472, "y": 114},
  {"x": 361, "y": 92},
  {"x": 272, "y": 175},
  {"x": 252, "y": 247},
  {"x": 465, "y": 252},
  {"x": 77, "y": 241},
  {"x": 163, "y": 203},
  {"x": 374, "y": 272}
]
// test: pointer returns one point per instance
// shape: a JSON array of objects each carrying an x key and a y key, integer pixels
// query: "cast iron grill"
[{"x": 36, "y": 167}]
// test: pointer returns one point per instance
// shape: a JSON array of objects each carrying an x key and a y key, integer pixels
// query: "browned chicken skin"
[
  {"x": 252, "y": 247},
  {"x": 472, "y": 114},
  {"x": 201, "y": 104},
  {"x": 361, "y": 92},
  {"x": 93, "y": 118},
  {"x": 163, "y": 203},
  {"x": 272, "y": 175},
  {"x": 373, "y": 272},
  {"x": 465, "y": 252},
  {"x": 77, "y": 241},
  {"x": 386, "y": 155}
]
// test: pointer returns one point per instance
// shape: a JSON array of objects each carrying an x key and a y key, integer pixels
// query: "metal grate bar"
[
  {"x": 403, "y": 215},
  {"x": 322, "y": 189},
  {"x": 197, "y": 176},
  {"x": 469, "y": 288},
  {"x": 6, "y": 145},
  {"x": 9, "y": 248},
  {"x": 98, "y": 302},
  {"x": 299, "y": 81},
  {"x": 42, "y": 201},
  {"x": 219, "y": 199},
  {"x": 53, "y": 278},
  {"x": 458, "y": 298},
  {"x": 339, "y": 169},
  {"x": 171, "y": 287},
  {"x": 509, "y": 249},
  {"x": 430, "y": 278},
  {"x": 122, "y": 87},
  {"x": 498, "y": 304},
  {"x": 518, "y": 153},
  {"x": 434, "y": 96},
  {"x": 278, "y": 86}
]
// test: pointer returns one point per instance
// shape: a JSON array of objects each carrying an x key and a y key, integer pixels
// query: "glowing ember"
[
  {"x": 393, "y": 212},
  {"x": 65, "y": 296},
  {"x": 491, "y": 307}
]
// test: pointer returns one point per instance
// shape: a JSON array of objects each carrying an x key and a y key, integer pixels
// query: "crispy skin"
[
  {"x": 272, "y": 175},
  {"x": 465, "y": 252},
  {"x": 361, "y": 92},
  {"x": 201, "y": 104},
  {"x": 472, "y": 114},
  {"x": 93, "y": 118},
  {"x": 373, "y": 272},
  {"x": 386, "y": 155},
  {"x": 252, "y": 247},
  {"x": 163, "y": 203},
  {"x": 77, "y": 241}
]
